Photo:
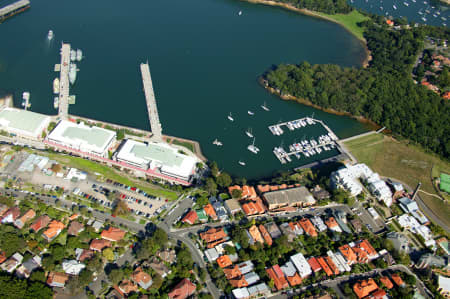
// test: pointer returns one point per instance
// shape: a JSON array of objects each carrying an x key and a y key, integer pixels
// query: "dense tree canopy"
[
  {"x": 384, "y": 93},
  {"x": 15, "y": 288},
  {"x": 326, "y": 6}
]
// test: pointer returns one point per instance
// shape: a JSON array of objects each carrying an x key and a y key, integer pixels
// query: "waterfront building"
[
  {"x": 23, "y": 123},
  {"x": 294, "y": 197},
  {"x": 157, "y": 156},
  {"x": 82, "y": 138}
]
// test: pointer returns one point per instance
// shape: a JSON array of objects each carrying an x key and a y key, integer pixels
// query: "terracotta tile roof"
[
  {"x": 248, "y": 192},
  {"x": 294, "y": 280},
  {"x": 274, "y": 188},
  {"x": 113, "y": 234},
  {"x": 239, "y": 282},
  {"x": 364, "y": 287},
  {"x": 232, "y": 272},
  {"x": 277, "y": 276},
  {"x": 378, "y": 294},
  {"x": 323, "y": 264},
  {"x": 283, "y": 186},
  {"x": 367, "y": 247},
  {"x": 13, "y": 212},
  {"x": 141, "y": 277},
  {"x": 231, "y": 188},
  {"x": 308, "y": 227},
  {"x": 27, "y": 216},
  {"x": 99, "y": 245},
  {"x": 263, "y": 188},
  {"x": 40, "y": 223},
  {"x": 209, "y": 210},
  {"x": 314, "y": 264},
  {"x": 75, "y": 228},
  {"x": 2, "y": 257},
  {"x": 331, "y": 264},
  {"x": 213, "y": 237},
  {"x": 127, "y": 287},
  {"x": 260, "y": 205},
  {"x": 224, "y": 261},
  {"x": 387, "y": 282},
  {"x": 249, "y": 208},
  {"x": 361, "y": 255},
  {"x": 348, "y": 254},
  {"x": 397, "y": 279},
  {"x": 182, "y": 290},
  {"x": 73, "y": 217},
  {"x": 54, "y": 228},
  {"x": 256, "y": 235},
  {"x": 266, "y": 235},
  {"x": 190, "y": 217},
  {"x": 86, "y": 254},
  {"x": 57, "y": 278},
  {"x": 331, "y": 222}
]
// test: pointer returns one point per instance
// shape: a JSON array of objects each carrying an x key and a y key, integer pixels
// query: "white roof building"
[
  {"x": 246, "y": 267},
  {"x": 72, "y": 267},
  {"x": 240, "y": 293},
  {"x": 411, "y": 223},
  {"x": 23, "y": 123},
  {"x": 318, "y": 223},
  {"x": 288, "y": 269},
  {"x": 157, "y": 155},
  {"x": 82, "y": 138},
  {"x": 251, "y": 278},
  {"x": 75, "y": 173},
  {"x": 444, "y": 285},
  {"x": 301, "y": 264},
  {"x": 211, "y": 254}
]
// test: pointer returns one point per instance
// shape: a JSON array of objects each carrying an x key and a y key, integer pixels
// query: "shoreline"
[
  {"x": 307, "y": 12},
  {"x": 373, "y": 126}
]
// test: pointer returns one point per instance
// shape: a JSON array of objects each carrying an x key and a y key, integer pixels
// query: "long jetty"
[
  {"x": 64, "y": 86},
  {"x": 14, "y": 8},
  {"x": 153, "y": 116}
]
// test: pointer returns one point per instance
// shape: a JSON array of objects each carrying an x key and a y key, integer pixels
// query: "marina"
[{"x": 292, "y": 125}]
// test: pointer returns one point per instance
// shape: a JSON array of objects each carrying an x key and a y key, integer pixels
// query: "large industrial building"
[
  {"x": 157, "y": 156},
  {"x": 23, "y": 123},
  {"x": 82, "y": 138}
]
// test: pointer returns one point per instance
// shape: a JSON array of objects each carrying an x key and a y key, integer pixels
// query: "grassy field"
[
  {"x": 350, "y": 21},
  {"x": 405, "y": 162},
  {"x": 109, "y": 173},
  {"x": 185, "y": 144}
]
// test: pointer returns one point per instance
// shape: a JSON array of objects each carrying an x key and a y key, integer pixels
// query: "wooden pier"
[
  {"x": 153, "y": 115},
  {"x": 64, "y": 86},
  {"x": 14, "y": 8}
]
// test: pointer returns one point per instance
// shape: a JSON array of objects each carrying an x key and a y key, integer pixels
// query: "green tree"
[
  {"x": 108, "y": 253},
  {"x": 116, "y": 275},
  {"x": 224, "y": 180},
  {"x": 236, "y": 193},
  {"x": 211, "y": 186}
]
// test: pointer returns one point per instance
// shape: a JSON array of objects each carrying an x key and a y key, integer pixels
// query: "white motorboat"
[
  {"x": 230, "y": 117},
  {"x": 253, "y": 148},
  {"x": 241, "y": 163},
  {"x": 249, "y": 133},
  {"x": 217, "y": 142},
  {"x": 264, "y": 106}
]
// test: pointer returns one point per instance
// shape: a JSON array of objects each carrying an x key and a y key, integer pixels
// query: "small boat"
[
  {"x": 56, "y": 102},
  {"x": 73, "y": 55},
  {"x": 265, "y": 107},
  {"x": 249, "y": 133},
  {"x": 217, "y": 142},
  {"x": 72, "y": 73},
  {"x": 240, "y": 13},
  {"x": 424, "y": 19},
  {"x": 56, "y": 86},
  {"x": 50, "y": 35},
  {"x": 395, "y": 7},
  {"x": 230, "y": 117},
  {"x": 241, "y": 163},
  {"x": 250, "y": 112},
  {"x": 253, "y": 148},
  {"x": 406, "y": 4},
  {"x": 26, "y": 95},
  {"x": 414, "y": 1},
  {"x": 79, "y": 55}
]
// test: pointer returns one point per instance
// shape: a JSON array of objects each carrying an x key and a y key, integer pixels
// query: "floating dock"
[
  {"x": 13, "y": 9},
  {"x": 153, "y": 115},
  {"x": 64, "y": 86}
]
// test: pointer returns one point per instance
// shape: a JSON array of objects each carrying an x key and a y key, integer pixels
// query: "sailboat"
[
  {"x": 241, "y": 163},
  {"x": 265, "y": 107},
  {"x": 217, "y": 142},
  {"x": 240, "y": 13},
  {"x": 230, "y": 117},
  {"x": 253, "y": 148},
  {"x": 249, "y": 133},
  {"x": 250, "y": 112}
]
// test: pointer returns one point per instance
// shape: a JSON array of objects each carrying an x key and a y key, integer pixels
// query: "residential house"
[
  {"x": 210, "y": 212},
  {"x": 84, "y": 254},
  {"x": 72, "y": 267},
  {"x": 357, "y": 225},
  {"x": 318, "y": 223},
  {"x": 127, "y": 287},
  {"x": 398, "y": 280},
  {"x": 30, "y": 214},
  {"x": 291, "y": 274},
  {"x": 97, "y": 225},
  {"x": 296, "y": 228},
  {"x": 211, "y": 254},
  {"x": 11, "y": 215},
  {"x": 258, "y": 290},
  {"x": 159, "y": 267},
  {"x": 301, "y": 264},
  {"x": 287, "y": 231},
  {"x": 54, "y": 229},
  {"x": 276, "y": 274},
  {"x": 75, "y": 228},
  {"x": 265, "y": 234},
  {"x": 142, "y": 278},
  {"x": 167, "y": 255},
  {"x": 314, "y": 264},
  {"x": 190, "y": 218},
  {"x": 40, "y": 223},
  {"x": 12, "y": 263},
  {"x": 238, "y": 282},
  {"x": 251, "y": 278},
  {"x": 3, "y": 209},
  {"x": 232, "y": 205},
  {"x": 363, "y": 288},
  {"x": 57, "y": 279},
  {"x": 99, "y": 244},
  {"x": 333, "y": 225},
  {"x": 232, "y": 272},
  {"x": 320, "y": 193},
  {"x": 221, "y": 212},
  {"x": 29, "y": 266},
  {"x": 367, "y": 247},
  {"x": 248, "y": 192},
  {"x": 246, "y": 267},
  {"x": 224, "y": 261},
  {"x": 241, "y": 293},
  {"x": 308, "y": 227},
  {"x": 202, "y": 217},
  {"x": 348, "y": 254},
  {"x": 256, "y": 235},
  {"x": 325, "y": 267},
  {"x": 273, "y": 230},
  {"x": 113, "y": 234},
  {"x": 331, "y": 264},
  {"x": 183, "y": 290},
  {"x": 253, "y": 207},
  {"x": 386, "y": 282},
  {"x": 214, "y": 236}
]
